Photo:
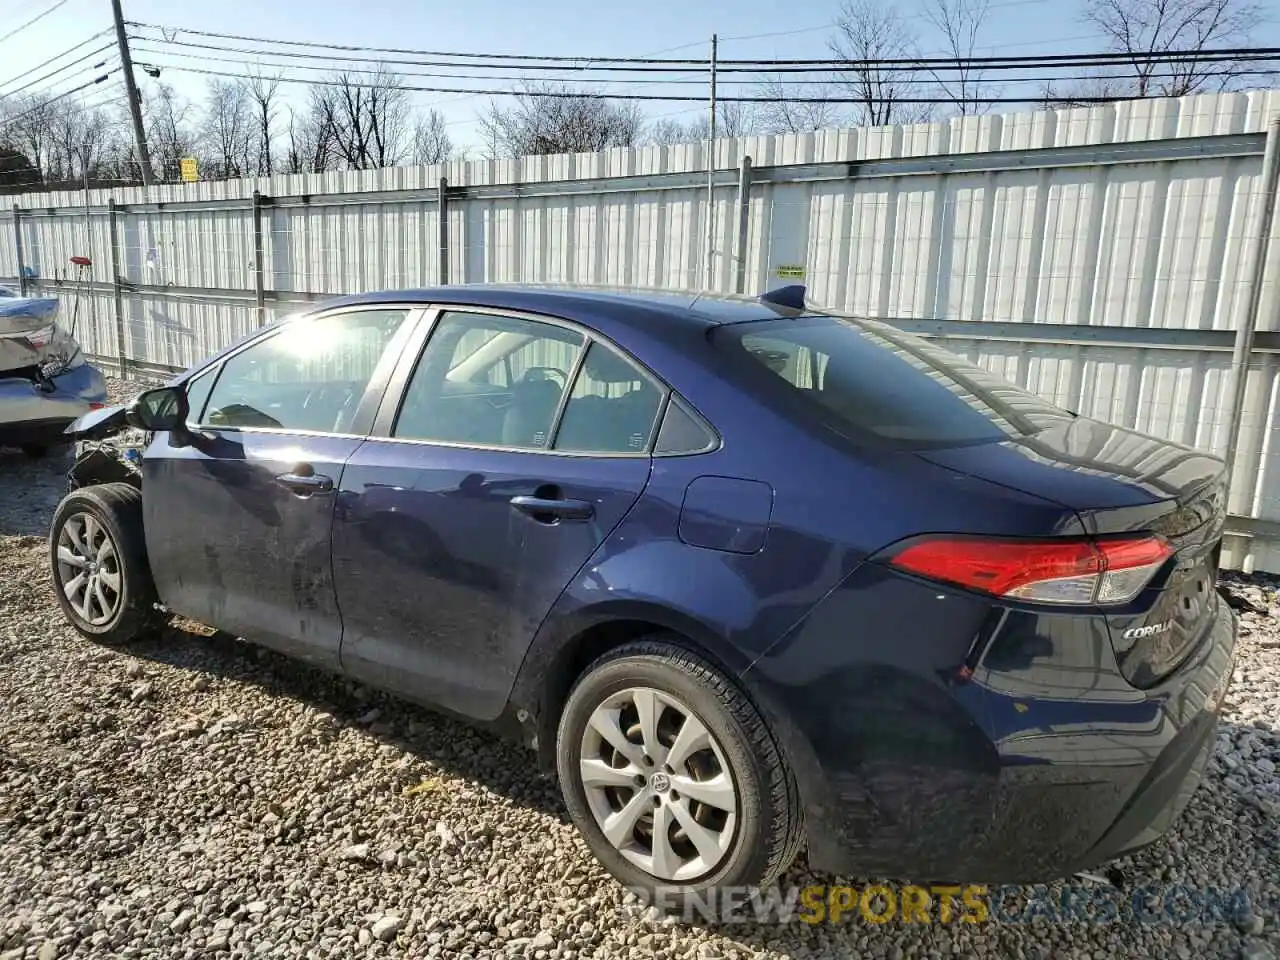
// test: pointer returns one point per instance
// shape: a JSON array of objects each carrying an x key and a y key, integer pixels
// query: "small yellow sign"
[
  {"x": 190, "y": 172},
  {"x": 789, "y": 271}
]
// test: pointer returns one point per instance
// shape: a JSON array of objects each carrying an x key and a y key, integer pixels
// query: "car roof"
[{"x": 600, "y": 308}]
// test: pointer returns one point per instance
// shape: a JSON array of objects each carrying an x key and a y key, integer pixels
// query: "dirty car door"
[
  {"x": 459, "y": 524},
  {"x": 238, "y": 522}
]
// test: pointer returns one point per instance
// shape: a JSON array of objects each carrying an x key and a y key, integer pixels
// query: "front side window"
[
  {"x": 489, "y": 380},
  {"x": 198, "y": 389},
  {"x": 309, "y": 376}
]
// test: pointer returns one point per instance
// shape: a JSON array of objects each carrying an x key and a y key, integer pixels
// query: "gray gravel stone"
[{"x": 386, "y": 928}]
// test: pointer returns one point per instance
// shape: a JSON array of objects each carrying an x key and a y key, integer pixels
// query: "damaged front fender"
[
  {"x": 108, "y": 448},
  {"x": 99, "y": 424}
]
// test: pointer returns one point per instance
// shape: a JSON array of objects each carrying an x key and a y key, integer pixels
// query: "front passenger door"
[{"x": 238, "y": 523}]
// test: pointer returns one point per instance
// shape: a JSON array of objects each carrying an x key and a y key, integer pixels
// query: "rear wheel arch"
[{"x": 561, "y": 654}]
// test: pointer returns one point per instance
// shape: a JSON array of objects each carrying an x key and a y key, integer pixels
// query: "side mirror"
[{"x": 165, "y": 408}]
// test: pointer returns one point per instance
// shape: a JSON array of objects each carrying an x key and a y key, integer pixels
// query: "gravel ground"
[{"x": 191, "y": 795}]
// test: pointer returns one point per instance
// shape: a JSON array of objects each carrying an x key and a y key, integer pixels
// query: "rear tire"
[
  {"x": 728, "y": 808},
  {"x": 98, "y": 557}
]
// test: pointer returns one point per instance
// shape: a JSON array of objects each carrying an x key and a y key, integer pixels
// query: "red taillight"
[
  {"x": 1046, "y": 571},
  {"x": 95, "y": 405}
]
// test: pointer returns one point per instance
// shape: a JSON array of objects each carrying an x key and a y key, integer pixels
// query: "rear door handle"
[
  {"x": 305, "y": 485},
  {"x": 549, "y": 511}
]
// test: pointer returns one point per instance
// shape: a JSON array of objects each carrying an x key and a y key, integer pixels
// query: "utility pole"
[
  {"x": 711, "y": 170},
  {"x": 131, "y": 91}
]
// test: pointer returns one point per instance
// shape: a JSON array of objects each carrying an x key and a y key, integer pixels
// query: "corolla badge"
[{"x": 1150, "y": 630}]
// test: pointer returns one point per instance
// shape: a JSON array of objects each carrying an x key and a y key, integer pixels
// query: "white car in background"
[{"x": 45, "y": 382}]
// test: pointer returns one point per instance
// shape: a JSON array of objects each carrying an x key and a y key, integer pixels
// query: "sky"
[{"x": 666, "y": 28}]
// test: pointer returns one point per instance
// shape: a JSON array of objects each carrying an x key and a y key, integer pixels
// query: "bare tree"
[
  {"x": 733, "y": 119},
  {"x": 228, "y": 129},
  {"x": 784, "y": 113},
  {"x": 960, "y": 22},
  {"x": 312, "y": 142},
  {"x": 555, "y": 118},
  {"x": 1141, "y": 27},
  {"x": 431, "y": 143},
  {"x": 367, "y": 119},
  {"x": 170, "y": 132},
  {"x": 31, "y": 129},
  {"x": 868, "y": 32},
  {"x": 261, "y": 91},
  {"x": 80, "y": 140}
]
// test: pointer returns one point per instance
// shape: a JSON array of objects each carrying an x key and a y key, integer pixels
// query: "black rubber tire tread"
[
  {"x": 35, "y": 450},
  {"x": 782, "y": 835},
  {"x": 118, "y": 506}
]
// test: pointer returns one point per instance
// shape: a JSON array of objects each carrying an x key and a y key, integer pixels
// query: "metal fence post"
[
  {"x": 744, "y": 209},
  {"x": 260, "y": 294},
  {"x": 1257, "y": 269},
  {"x": 443, "y": 200},
  {"x": 17, "y": 239},
  {"x": 116, "y": 289}
]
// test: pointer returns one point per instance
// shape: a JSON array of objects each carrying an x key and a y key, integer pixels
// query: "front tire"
[
  {"x": 673, "y": 777},
  {"x": 99, "y": 563}
]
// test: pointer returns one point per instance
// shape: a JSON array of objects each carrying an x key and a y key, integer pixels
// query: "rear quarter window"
[{"x": 865, "y": 380}]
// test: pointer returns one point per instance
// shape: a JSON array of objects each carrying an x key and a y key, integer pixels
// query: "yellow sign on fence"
[
  {"x": 790, "y": 271},
  {"x": 190, "y": 172}
]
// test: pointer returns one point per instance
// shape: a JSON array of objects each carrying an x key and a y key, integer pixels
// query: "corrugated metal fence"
[{"x": 1099, "y": 256}]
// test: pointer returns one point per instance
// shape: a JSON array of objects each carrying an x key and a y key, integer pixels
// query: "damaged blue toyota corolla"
[{"x": 746, "y": 574}]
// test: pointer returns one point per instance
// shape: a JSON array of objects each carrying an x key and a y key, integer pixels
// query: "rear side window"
[
  {"x": 682, "y": 432},
  {"x": 863, "y": 379},
  {"x": 612, "y": 407}
]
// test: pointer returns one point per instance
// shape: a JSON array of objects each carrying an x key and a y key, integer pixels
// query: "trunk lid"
[
  {"x": 32, "y": 343},
  {"x": 1120, "y": 481}
]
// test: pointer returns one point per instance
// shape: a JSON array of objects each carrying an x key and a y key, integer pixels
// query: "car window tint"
[
  {"x": 612, "y": 407},
  {"x": 682, "y": 432},
  {"x": 865, "y": 379},
  {"x": 309, "y": 376},
  {"x": 488, "y": 380}
]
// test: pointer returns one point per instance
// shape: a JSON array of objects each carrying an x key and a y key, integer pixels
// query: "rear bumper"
[
  {"x": 1044, "y": 762},
  {"x": 31, "y": 415}
]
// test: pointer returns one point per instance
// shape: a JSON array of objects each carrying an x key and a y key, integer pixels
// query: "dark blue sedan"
[{"x": 748, "y": 575}]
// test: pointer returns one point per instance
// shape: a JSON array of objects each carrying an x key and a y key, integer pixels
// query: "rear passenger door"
[{"x": 503, "y": 455}]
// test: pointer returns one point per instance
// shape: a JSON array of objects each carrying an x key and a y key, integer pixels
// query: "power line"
[
  {"x": 686, "y": 79},
  {"x": 830, "y": 24},
  {"x": 62, "y": 69},
  {"x": 54, "y": 99},
  {"x": 558, "y": 94},
  {"x": 170, "y": 34},
  {"x": 38, "y": 17},
  {"x": 1174, "y": 57},
  {"x": 53, "y": 59}
]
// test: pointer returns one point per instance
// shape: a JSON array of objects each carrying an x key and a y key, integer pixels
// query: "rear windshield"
[{"x": 865, "y": 379}]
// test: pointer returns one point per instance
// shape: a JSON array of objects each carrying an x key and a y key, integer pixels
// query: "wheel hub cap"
[
  {"x": 88, "y": 569},
  {"x": 658, "y": 784}
]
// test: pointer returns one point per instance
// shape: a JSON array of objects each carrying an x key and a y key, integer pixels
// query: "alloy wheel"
[
  {"x": 89, "y": 569},
  {"x": 658, "y": 784}
]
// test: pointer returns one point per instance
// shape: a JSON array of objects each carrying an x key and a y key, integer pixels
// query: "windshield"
[{"x": 861, "y": 378}]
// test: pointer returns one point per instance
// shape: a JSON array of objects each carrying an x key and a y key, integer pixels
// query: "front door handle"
[
  {"x": 305, "y": 484},
  {"x": 549, "y": 511}
]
